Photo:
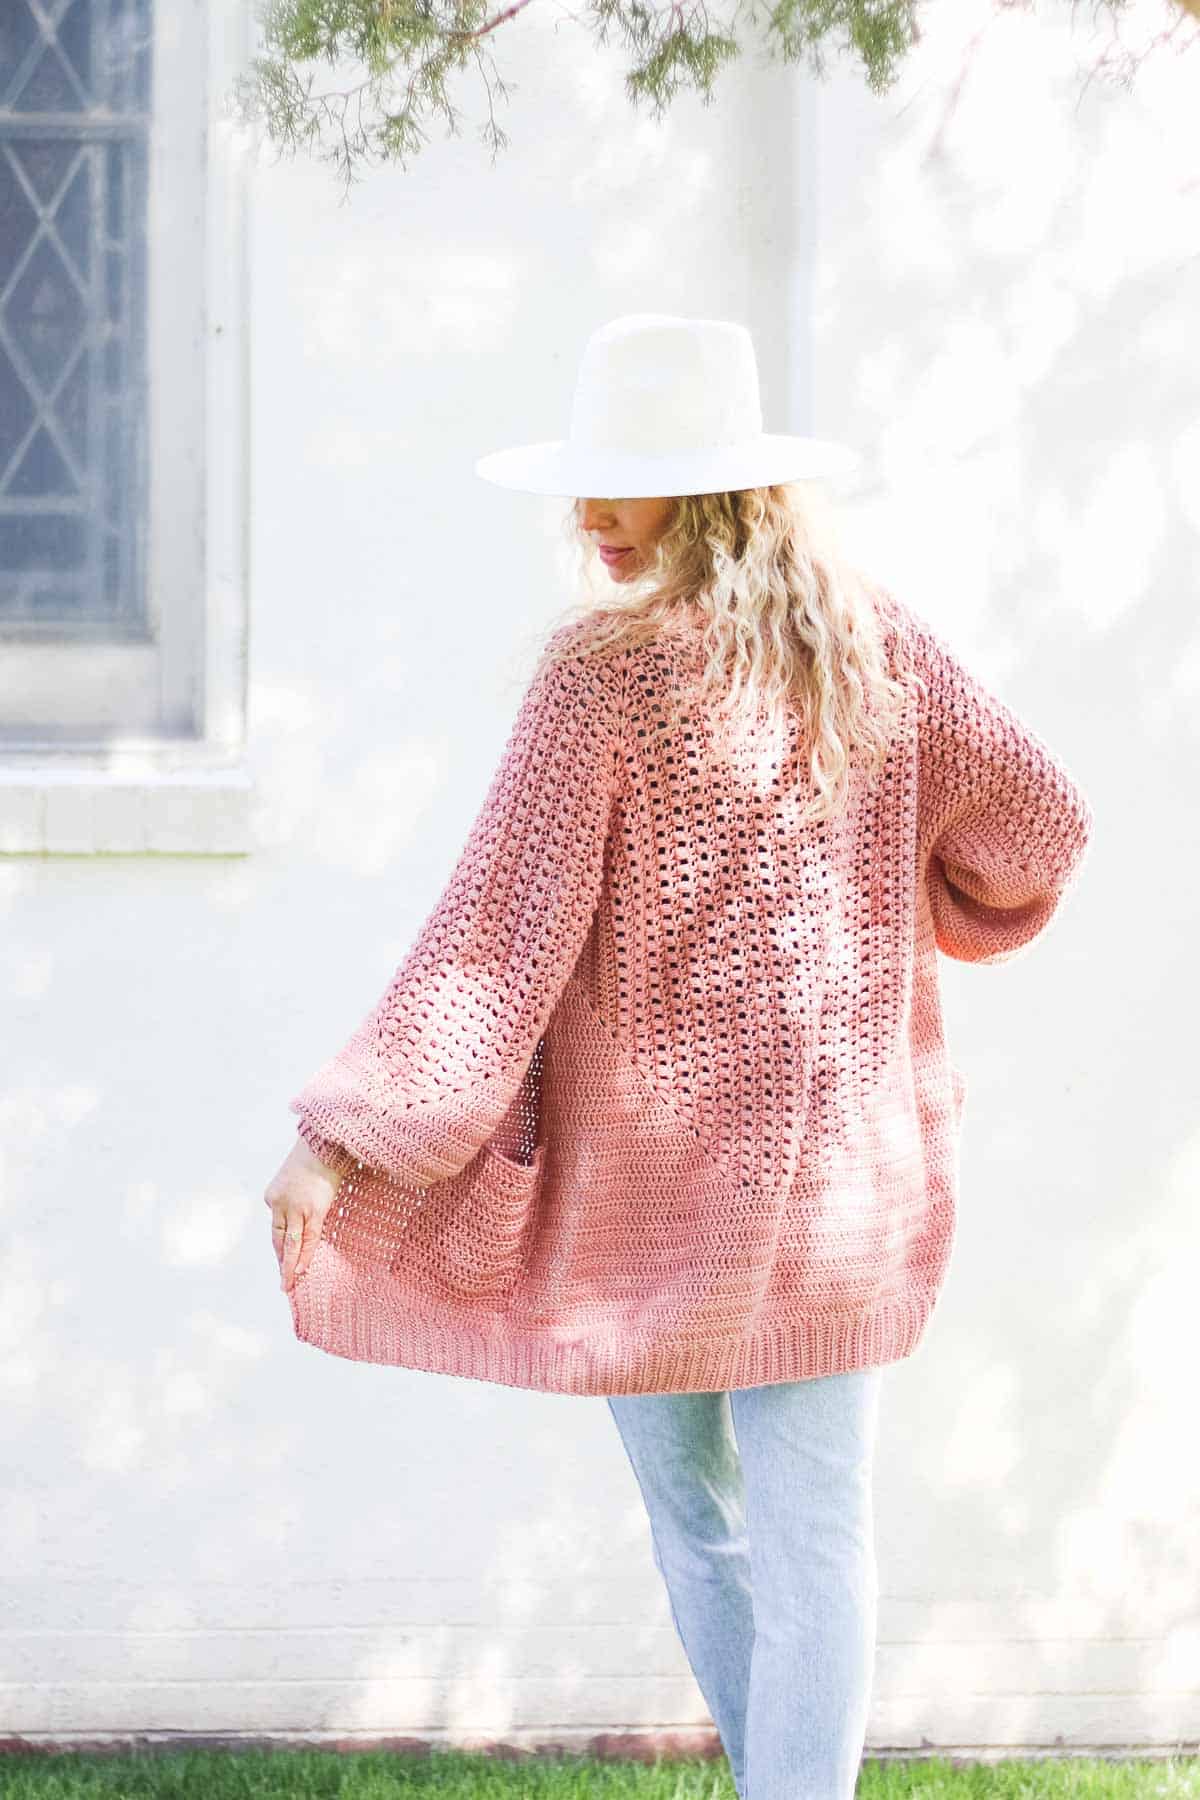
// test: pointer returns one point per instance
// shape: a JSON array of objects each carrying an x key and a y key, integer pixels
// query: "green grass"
[{"x": 455, "y": 1775}]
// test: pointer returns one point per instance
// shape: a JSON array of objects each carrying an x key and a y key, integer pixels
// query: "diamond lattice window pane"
[
  {"x": 75, "y": 44},
  {"x": 18, "y": 220},
  {"x": 41, "y": 469},
  {"x": 46, "y": 165},
  {"x": 74, "y": 115},
  {"x": 21, "y": 47},
  {"x": 46, "y": 316},
  {"x": 16, "y": 410},
  {"x": 49, "y": 88}
]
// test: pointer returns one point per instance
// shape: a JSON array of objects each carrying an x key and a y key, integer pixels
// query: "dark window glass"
[{"x": 74, "y": 115}]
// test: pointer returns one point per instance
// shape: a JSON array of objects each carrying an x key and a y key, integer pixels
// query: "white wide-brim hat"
[{"x": 665, "y": 405}]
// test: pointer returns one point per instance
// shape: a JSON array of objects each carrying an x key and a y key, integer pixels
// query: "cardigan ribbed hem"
[{"x": 515, "y": 1356}]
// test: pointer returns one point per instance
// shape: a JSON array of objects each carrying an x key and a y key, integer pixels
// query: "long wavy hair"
[{"x": 791, "y": 630}]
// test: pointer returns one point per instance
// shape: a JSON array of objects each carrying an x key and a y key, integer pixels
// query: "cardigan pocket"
[{"x": 467, "y": 1239}]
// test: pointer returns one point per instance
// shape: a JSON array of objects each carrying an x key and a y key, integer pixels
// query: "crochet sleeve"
[
  {"x": 1002, "y": 826},
  {"x": 425, "y": 1079}
]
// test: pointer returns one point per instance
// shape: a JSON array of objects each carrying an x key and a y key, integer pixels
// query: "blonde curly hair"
[{"x": 789, "y": 626}]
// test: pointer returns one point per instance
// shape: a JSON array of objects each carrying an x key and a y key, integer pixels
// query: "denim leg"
[
  {"x": 807, "y": 1450},
  {"x": 685, "y": 1457}
]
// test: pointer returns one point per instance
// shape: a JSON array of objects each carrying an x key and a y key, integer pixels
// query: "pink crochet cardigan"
[{"x": 659, "y": 1100}]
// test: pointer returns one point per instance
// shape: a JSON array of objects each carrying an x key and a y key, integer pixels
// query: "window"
[
  {"x": 122, "y": 451},
  {"x": 73, "y": 115}
]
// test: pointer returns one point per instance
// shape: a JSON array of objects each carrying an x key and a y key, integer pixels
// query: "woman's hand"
[{"x": 299, "y": 1196}]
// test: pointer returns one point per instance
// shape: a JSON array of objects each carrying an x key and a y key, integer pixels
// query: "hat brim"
[{"x": 556, "y": 467}]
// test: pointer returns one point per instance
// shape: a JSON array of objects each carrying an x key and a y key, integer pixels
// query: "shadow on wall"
[{"x": 1006, "y": 316}]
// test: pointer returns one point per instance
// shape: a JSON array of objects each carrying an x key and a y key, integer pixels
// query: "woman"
[{"x": 658, "y": 1106}]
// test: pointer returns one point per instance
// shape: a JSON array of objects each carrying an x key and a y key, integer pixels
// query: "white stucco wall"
[
  {"x": 212, "y": 1529},
  {"x": 1008, "y": 287}
]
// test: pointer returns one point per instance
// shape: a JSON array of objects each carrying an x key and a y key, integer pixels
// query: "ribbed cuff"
[{"x": 334, "y": 1155}]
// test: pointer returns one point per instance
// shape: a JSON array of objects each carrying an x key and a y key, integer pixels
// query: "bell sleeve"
[
  {"x": 1002, "y": 826},
  {"x": 428, "y": 1075}
]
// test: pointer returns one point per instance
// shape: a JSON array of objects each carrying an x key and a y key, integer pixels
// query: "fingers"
[
  {"x": 279, "y": 1230},
  {"x": 292, "y": 1240},
  {"x": 288, "y": 1234},
  {"x": 298, "y": 1204}
]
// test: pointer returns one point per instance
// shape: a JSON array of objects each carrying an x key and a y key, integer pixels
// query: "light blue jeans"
[{"x": 762, "y": 1527}]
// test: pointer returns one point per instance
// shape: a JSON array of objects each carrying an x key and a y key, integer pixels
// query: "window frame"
[{"x": 173, "y": 775}]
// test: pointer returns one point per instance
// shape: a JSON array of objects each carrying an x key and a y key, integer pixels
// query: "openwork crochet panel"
[{"x": 659, "y": 1100}]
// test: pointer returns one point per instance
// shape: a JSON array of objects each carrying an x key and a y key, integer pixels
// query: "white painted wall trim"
[{"x": 71, "y": 811}]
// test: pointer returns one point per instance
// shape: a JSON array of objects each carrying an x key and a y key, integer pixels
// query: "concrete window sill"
[{"x": 46, "y": 812}]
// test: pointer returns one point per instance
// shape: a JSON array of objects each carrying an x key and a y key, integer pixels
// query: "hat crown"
[
  {"x": 665, "y": 404},
  {"x": 656, "y": 384}
]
